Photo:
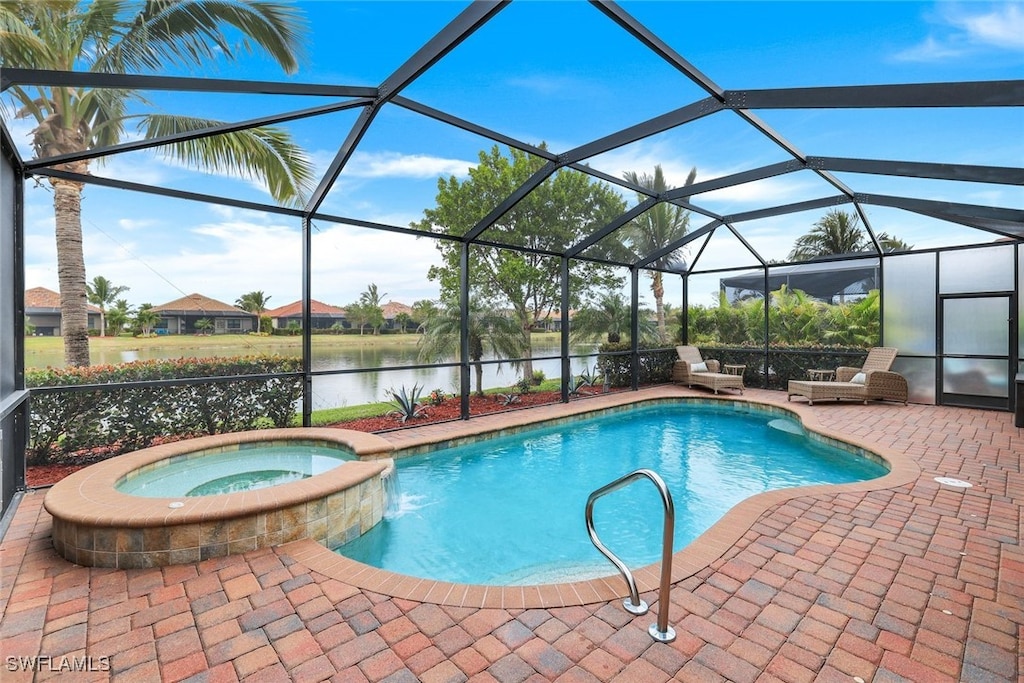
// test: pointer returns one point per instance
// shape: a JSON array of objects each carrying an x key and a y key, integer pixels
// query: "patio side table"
[{"x": 734, "y": 369}]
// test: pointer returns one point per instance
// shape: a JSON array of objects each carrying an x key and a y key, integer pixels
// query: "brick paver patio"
[{"x": 921, "y": 582}]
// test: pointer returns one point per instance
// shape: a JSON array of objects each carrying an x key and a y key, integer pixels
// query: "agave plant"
[
  {"x": 406, "y": 403},
  {"x": 589, "y": 378}
]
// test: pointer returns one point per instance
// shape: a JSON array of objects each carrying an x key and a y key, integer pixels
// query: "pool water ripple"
[{"x": 510, "y": 510}]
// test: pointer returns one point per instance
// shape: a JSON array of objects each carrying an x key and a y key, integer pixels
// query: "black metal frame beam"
[
  {"x": 88, "y": 79},
  {"x": 796, "y": 207},
  {"x": 911, "y": 95},
  {"x": 198, "y": 134},
  {"x": 998, "y": 175},
  {"x": 1001, "y": 221},
  {"x": 457, "y": 30},
  {"x": 166, "y": 192}
]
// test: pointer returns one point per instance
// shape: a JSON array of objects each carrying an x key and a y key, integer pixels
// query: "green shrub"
[
  {"x": 655, "y": 363},
  {"x": 100, "y": 421}
]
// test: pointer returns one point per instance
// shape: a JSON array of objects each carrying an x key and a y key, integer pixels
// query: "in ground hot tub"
[{"x": 218, "y": 495}]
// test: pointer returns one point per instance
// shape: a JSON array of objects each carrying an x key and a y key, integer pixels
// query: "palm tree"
[
  {"x": 253, "y": 302},
  {"x": 371, "y": 300},
  {"x": 102, "y": 293},
  {"x": 610, "y": 316},
  {"x": 146, "y": 319},
  {"x": 138, "y": 36},
  {"x": 488, "y": 329},
  {"x": 837, "y": 232},
  {"x": 892, "y": 243},
  {"x": 655, "y": 229},
  {"x": 118, "y": 316}
]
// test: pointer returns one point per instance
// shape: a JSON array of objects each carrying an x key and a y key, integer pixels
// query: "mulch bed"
[{"x": 450, "y": 409}]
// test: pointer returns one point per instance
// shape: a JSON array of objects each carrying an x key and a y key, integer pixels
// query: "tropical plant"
[
  {"x": 488, "y": 330},
  {"x": 655, "y": 229},
  {"x": 102, "y": 293},
  {"x": 562, "y": 210},
  {"x": 422, "y": 310},
  {"x": 508, "y": 399},
  {"x": 362, "y": 315},
  {"x": 406, "y": 403},
  {"x": 437, "y": 397},
  {"x": 137, "y": 36},
  {"x": 146, "y": 319},
  {"x": 837, "y": 232},
  {"x": 589, "y": 378},
  {"x": 204, "y": 325},
  {"x": 573, "y": 386},
  {"x": 119, "y": 316},
  {"x": 253, "y": 302},
  {"x": 403, "y": 321},
  {"x": 609, "y": 316}
]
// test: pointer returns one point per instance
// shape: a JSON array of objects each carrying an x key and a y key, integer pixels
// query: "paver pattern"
[{"x": 921, "y": 582}]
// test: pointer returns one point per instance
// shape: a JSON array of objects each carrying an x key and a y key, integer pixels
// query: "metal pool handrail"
[{"x": 660, "y": 631}]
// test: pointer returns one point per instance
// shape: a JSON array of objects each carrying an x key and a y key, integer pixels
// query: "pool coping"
[{"x": 707, "y": 548}]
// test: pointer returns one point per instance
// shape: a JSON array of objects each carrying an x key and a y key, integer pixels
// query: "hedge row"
[
  {"x": 101, "y": 422},
  {"x": 655, "y": 364}
]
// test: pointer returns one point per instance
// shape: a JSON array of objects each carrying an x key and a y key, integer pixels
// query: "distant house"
[
  {"x": 321, "y": 316},
  {"x": 42, "y": 308},
  {"x": 392, "y": 310},
  {"x": 552, "y": 322},
  {"x": 181, "y": 315}
]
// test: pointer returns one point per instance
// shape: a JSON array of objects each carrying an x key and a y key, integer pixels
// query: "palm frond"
[
  {"x": 188, "y": 33},
  {"x": 265, "y": 153}
]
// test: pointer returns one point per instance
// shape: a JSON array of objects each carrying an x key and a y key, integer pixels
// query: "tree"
[
  {"x": 102, "y": 293},
  {"x": 146, "y": 319},
  {"x": 363, "y": 315},
  {"x": 654, "y": 230},
  {"x": 119, "y": 316},
  {"x": 253, "y": 302},
  {"x": 611, "y": 316},
  {"x": 561, "y": 211},
  {"x": 422, "y": 311},
  {"x": 403, "y": 321},
  {"x": 892, "y": 243},
  {"x": 488, "y": 330},
  {"x": 371, "y": 300},
  {"x": 204, "y": 325},
  {"x": 838, "y": 232},
  {"x": 138, "y": 36}
]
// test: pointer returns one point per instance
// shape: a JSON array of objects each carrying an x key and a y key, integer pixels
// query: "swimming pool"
[{"x": 509, "y": 510}]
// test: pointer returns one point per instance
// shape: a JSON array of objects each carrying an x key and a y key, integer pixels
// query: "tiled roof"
[
  {"x": 295, "y": 309},
  {"x": 393, "y": 308},
  {"x": 41, "y": 297},
  {"x": 197, "y": 303}
]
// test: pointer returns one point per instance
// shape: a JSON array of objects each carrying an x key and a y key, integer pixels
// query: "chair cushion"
[
  {"x": 859, "y": 378},
  {"x": 699, "y": 367}
]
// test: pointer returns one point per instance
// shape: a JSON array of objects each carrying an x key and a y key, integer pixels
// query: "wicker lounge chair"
[
  {"x": 682, "y": 371},
  {"x": 879, "y": 384}
]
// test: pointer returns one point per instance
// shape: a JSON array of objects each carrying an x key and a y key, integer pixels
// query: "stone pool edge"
[{"x": 707, "y": 548}]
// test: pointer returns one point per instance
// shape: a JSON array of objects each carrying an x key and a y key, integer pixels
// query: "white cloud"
[
  {"x": 1002, "y": 27},
  {"x": 930, "y": 50},
  {"x": 963, "y": 30},
  {"x": 397, "y": 165}
]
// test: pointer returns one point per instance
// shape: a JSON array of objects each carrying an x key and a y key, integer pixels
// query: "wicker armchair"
[
  {"x": 879, "y": 383},
  {"x": 682, "y": 371}
]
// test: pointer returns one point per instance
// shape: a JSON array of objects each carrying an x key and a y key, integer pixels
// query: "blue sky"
[{"x": 563, "y": 74}]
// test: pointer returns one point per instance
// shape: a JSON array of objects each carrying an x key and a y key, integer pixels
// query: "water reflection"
[{"x": 390, "y": 358}]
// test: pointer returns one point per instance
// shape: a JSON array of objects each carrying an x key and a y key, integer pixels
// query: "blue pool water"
[
  {"x": 254, "y": 466},
  {"x": 510, "y": 510}
]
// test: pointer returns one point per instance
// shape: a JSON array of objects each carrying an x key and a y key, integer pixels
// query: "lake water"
[{"x": 332, "y": 391}]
